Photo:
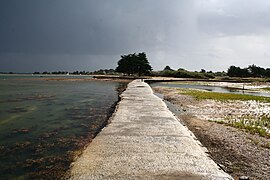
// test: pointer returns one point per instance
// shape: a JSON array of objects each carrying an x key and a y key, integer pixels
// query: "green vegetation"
[
  {"x": 100, "y": 72},
  {"x": 134, "y": 64},
  {"x": 182, "y": 73},
  {"x": 104, "y": 72},
  {"x": 259, "y": 125},
  {"x": 250, "y": 71},
  {"x": 266, "y": 145},
  {"x": 200, "y": 95},
  {"x": 251, "y": 124},
  {"x": 138, "y": 64},
  {"x": 267, "y": 88}
]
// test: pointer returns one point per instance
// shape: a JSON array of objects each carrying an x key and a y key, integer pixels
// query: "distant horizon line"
[{"x": 64, "y": 71}]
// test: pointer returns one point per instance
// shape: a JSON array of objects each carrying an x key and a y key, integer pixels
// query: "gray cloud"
[
  {"x": 234, "y": 17},
  {"x": 64, "y": 62},
  {"x": 83, "y": 27},
  {"x": 92, "y": 34}
]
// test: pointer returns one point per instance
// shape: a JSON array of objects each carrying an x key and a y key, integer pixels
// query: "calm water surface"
[
  {"x": 210, "y": 88},
  {"x": 41, "y": 76},
  {"x": 43, "y": 122}
]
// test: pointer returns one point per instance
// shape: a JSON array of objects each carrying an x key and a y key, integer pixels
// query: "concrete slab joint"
[{"x": 145, "y": 141}]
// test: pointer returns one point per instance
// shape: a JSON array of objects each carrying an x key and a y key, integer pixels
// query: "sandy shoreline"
[{"x": 239, "y": 153}]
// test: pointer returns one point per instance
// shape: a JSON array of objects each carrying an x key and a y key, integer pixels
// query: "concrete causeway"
[{"x": 145, "y": 141}]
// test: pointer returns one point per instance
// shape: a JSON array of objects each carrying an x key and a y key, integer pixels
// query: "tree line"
[
  {"x": 233, "y": 71},
  {"x": 250, "y": 71},
  {"x": 64, "y": 72},
  {"x": 137, "y": 64},
  {"x": 134, "y": 64},
  {"x": 100, "y": 72}
]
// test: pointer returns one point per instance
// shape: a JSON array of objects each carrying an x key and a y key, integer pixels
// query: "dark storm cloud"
[
  {"x": 92, "y": 34},
  {"x": 51, "y": 26},
  {"x": 84, "y": 26}
]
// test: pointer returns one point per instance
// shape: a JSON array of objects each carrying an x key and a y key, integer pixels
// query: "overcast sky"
[{"x": 50, "y": 35}]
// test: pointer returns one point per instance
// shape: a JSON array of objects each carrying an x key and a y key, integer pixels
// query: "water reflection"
[{"x": 212, "y": 88}]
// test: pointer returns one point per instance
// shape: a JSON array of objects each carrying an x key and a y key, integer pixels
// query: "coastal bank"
[{"x": 144, "y": 141}]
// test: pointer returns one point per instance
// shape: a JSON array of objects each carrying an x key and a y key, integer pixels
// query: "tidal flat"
[{"x": 45, "y": 122}]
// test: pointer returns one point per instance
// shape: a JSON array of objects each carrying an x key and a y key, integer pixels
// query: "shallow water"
[
  {"x": 210, "y": 88},
  {"x": 40, "y": 76},
  {"x": 43, "y": 122}
]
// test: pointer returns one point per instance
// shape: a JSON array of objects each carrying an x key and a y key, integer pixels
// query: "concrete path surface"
[{"x": 144, "y": 141}]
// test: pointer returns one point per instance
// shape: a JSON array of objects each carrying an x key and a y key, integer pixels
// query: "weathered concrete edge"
[
  {"x": 176, "y": 119},
  {"x": 175, "y": 116},
  {"x": 109, "y": 120},
  {"x": 190, "y": 132}
]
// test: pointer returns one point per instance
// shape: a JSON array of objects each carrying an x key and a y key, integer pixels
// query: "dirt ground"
[{"x": 237, "y": 152}]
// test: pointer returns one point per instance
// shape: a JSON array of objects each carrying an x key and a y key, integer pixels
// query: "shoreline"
[
  {"x": 247, "y": 84},
  {"x": 237, "y": 152},
  {"x": 111, "y": 111},
  {"x": 141, "y": 129},
  {"x": 85, "y": 141},
  {"x": 89, "y": 120}
]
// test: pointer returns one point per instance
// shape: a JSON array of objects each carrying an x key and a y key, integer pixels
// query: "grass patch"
[
  {"x": 250, "y": 128},
  {"x": 200, "y": 95},
  {"x": 266, "y": 89},
  {"x": 254, "y": 125},
  {"x": 259, "y": 125},
  {"x": 263, "y": 144},
  {"x": 266, "y": 145}
]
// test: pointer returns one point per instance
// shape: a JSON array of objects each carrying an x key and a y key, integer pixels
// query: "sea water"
[{"x": 42, "y": 123}]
